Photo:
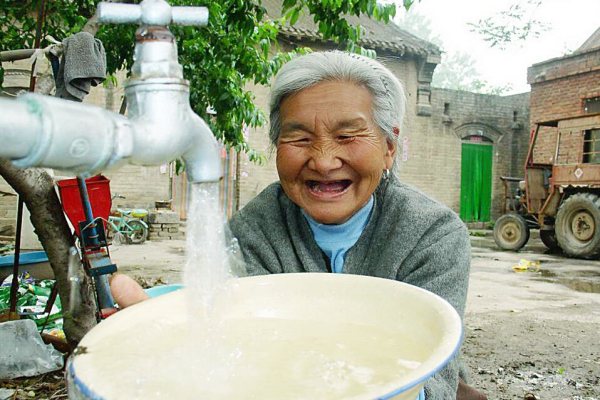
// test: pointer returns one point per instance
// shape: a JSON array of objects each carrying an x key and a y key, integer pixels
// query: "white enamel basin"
[{"x": 284, "y": 336}]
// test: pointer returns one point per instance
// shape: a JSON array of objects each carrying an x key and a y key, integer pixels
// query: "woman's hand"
[{"x": 126, "y": 291}]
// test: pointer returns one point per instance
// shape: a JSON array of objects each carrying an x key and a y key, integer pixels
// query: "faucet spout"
[
  {"x": 202, "y": 162},
  {"x": 166, "y": 128}
]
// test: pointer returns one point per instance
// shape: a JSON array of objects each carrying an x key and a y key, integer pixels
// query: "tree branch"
[{"x": 36, "y": 188}]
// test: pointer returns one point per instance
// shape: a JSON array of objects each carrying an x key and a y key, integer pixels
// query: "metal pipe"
[
  {"x": 202, "y": 160},
  {"x": 43, "y": 131},
  {"x": 89, "y": 214},
  {"x": 151, "y": 12},
  {"x": 38, "y": 39},
  {"x": 118, "y": 13},
  {"x": 21, "y": 128},
  {"x": 14, "y": 286},
  {"x": 105, "y": 298},
  {"x": 190, "y": 15},
  {"x": 15, "y": 55}
]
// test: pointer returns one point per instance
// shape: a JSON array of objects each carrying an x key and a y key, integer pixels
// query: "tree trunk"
[{"x": 36, "y": 188}]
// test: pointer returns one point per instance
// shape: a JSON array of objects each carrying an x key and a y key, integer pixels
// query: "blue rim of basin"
[
  {"x": 156, "y": 291},
  {"x": 424, "y": 378}
]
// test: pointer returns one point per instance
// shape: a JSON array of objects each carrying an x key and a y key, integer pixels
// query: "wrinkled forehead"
[
  {"x": 342, "y": 86},
  {"x": 329, "y": 96}
]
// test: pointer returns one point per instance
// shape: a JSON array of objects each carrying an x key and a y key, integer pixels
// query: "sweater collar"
[{"x": 354, "y": 225}]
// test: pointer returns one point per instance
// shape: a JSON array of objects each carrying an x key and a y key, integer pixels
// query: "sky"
[{"x": 569, "y": 24}]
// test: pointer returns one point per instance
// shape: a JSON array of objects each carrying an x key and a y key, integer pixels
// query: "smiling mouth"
[{"x": 328, "y": 187}]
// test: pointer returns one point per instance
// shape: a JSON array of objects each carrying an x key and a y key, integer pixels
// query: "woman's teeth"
[{"x": 329, "y": 186}]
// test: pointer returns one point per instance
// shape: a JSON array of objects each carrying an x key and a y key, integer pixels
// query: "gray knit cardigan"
[{"x": 409, "y": 237}]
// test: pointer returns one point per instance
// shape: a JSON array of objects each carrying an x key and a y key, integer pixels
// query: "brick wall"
[
  {"x": 558, "y": 89},
  {"x": 458, "y": 114},
  {"x": 141, "y": 186},
  {"x": 8, "y": 209},
  {"x": 254, "y": 178}
]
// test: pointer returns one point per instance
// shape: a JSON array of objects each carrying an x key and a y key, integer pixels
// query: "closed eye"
[
  {"x": 346, "y": 138},
  {"x": 298, "y": 140}
]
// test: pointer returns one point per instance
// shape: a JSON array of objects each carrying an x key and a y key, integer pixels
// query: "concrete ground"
[
  {"x": 531, "y": 331},
  {"x": 532, "y": 323},
  {"x": 151, "y": 261}
]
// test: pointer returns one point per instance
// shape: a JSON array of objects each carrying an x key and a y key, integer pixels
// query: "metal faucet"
[{"x": 43, "y": 131}]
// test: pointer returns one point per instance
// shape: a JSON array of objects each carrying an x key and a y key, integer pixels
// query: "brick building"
[
  {"x": 563, "y": 173},
  {"x": 481, "y": 138},
  {"x": 565, "y": 87}
]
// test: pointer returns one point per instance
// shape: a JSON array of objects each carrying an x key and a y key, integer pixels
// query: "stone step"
[
  {"x": 7, "y": 226},
  {"x": 7, "y": 239}
]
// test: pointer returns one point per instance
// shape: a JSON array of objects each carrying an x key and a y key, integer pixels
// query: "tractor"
[{"x": 561, "y": 198}]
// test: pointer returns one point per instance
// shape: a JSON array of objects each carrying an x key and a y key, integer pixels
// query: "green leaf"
[
  {"x": 287, "y": 4},
  {"x": 294, "y": 16},
  {"x": 371, "y": 8}
]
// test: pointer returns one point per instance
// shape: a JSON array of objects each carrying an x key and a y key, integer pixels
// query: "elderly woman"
[{"x": 339, "y": 206}]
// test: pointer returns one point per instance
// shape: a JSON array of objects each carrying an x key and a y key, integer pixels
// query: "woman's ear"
[{"x": 390, "y": 153}]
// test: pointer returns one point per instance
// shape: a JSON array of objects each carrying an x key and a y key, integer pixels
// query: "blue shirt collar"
[{"x": 336, "y": 240}]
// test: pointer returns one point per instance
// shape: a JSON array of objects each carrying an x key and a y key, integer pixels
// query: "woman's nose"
[{"x": 324, "y": 158}]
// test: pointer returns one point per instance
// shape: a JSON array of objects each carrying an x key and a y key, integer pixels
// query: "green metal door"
[{"x": 476, "y": 182}]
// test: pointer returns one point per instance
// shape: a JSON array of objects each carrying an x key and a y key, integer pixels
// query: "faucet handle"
[{"x": 151, "y": 12}]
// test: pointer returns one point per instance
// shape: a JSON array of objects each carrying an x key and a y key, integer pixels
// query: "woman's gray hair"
[{"x": 389, "y": 101}]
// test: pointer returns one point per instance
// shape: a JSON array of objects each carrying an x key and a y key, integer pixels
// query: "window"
[
  {"x": 591, "y": 105},
  {"x": 591, "y": 146},
  {"x": 446, "y": 108},
  {"x": 478, "y": 139}
]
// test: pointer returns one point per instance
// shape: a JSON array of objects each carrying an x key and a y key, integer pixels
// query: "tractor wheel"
[
  {"x": 578, "y": 225},
  {"x": 549, "y": 239},
  {"x": 511, "y": 232},
  {"x": 138, "y": 232}
]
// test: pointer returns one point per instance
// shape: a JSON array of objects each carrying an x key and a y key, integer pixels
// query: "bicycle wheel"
[{"x": 137, "y": 232}]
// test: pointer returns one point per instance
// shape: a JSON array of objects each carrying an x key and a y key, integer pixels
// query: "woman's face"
[{"x": 330, "y": 152}]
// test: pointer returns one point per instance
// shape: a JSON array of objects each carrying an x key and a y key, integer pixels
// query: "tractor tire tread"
[{"x": 594, "y": 201}]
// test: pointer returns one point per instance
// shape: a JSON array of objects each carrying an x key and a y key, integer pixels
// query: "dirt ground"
[
  {"x": 529, "y": 335},
  {"x": 533, "y": 334}
]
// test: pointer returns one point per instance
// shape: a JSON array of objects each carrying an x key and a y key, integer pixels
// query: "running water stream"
[{"x": 211, "y": 261}]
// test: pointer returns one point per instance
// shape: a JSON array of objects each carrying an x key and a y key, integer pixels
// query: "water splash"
[{"x": 213, "y": 257}]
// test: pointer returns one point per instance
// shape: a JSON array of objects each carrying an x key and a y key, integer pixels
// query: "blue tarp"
[{"x": 32, "y": 257}]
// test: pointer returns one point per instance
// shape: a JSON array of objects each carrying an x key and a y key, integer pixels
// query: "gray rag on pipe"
[{"x": 83, "y": 65}]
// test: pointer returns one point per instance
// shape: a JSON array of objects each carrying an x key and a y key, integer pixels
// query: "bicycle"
[{"x": 127, "y": 223}]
